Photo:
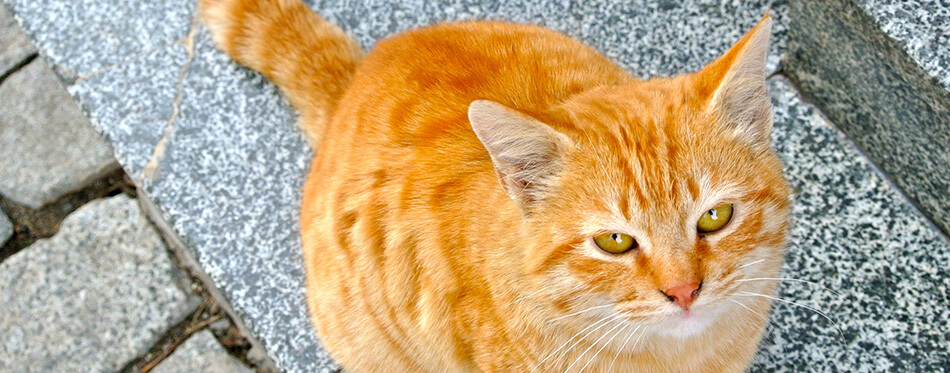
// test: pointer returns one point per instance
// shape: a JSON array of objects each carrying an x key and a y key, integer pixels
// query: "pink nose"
[{"x": 683, "y": 295}]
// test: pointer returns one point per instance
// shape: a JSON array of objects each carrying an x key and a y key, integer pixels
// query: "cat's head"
[{"x": 652, "y": 201}]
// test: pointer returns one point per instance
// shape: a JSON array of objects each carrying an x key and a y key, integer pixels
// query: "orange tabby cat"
[{"x": 496, "y": 197}]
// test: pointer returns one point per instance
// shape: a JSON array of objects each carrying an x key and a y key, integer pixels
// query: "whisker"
[
  {"x": 601, "y": 321},
  {"x": 605, "y": 345},
  {"x": 588, "y": 348},
  {"x": 788, "y": 279},
  {"x": 746, "y": 307},
  {"x": 751, "y": 263},
  {"x": 579, "y": 312},
  {"x": 798, "y": 305},
  {"x": 565, "y": 352},
  {"x": 623, "y": 347}
]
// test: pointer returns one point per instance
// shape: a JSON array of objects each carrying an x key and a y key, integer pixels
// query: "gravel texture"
[
  {"x": 91, "y": 298},
  {"x": 200, "y": 353},
  {"x": 15, "y": 46},
  {"x": 49, "y": 148}
]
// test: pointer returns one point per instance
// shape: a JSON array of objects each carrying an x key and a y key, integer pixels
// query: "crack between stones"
[{"x": 151, "y": 168}]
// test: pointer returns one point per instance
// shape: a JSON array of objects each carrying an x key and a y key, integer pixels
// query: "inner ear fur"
[
  {"x": 734, "y": 85},
  {"x": 526, "y": 153}
]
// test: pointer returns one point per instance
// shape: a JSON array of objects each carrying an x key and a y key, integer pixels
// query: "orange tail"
[{"x": 310, "y": 59}]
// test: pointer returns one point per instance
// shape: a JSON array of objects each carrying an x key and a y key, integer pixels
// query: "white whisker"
[
  {"x": 746, "y": 307},
  {"x": 579, "y": 312},
  {"x": 602, "y": 321},
  {"x": 795, "y": 304},
  {"x": 605, "y": 345},
  {"x": 752, "y": 263},
  {"x": 591, "y": 346},
  {"x": 623, "y": 346},
  {"x": 788, "y": 279},
  {"x": 566, "y": 351}
]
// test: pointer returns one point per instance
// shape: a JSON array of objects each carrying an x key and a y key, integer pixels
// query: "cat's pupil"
[
  {"x": 616, "y": 237},
  {"x": 713, "y": 214}
]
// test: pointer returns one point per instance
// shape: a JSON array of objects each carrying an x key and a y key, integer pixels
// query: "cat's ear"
[
  {"x": 525, "y": 152},
  {"x": 734, "y": 85}
]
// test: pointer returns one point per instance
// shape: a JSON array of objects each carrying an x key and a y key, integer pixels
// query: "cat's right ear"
[
  {"x": 525, "y": 152},
  {"x": 735, "y": 88}
]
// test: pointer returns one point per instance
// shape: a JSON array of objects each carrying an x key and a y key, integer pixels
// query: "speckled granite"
[
  {"x": 876, "y": 93},
  {"x": 132, "y": 104},
  {"x": 854, "y": 234},
  {"x": 227, "y": 169},
  {"x": 922, "y": 27},
  {"x": 85, "y": 37},
  {"x": 91, "y": 298}
]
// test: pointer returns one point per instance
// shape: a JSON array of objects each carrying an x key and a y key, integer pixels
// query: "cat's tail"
[{"x": 310, "y": 59}]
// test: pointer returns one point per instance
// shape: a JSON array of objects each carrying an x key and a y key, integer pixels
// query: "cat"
[{"x": 488, "y": 196}]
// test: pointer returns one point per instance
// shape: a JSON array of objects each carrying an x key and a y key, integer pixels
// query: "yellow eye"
[
  {"x": 714, "y": 219},
  {"x": 615, "y": 243}
]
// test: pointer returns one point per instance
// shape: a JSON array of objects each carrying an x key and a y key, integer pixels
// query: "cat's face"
[
  {"x": 649, "y": 164},
  {"x": 659, "y": 203}
]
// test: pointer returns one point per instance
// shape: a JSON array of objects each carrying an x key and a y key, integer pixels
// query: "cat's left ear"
[
  {"x": 734, "y": 85},
  {"x": 526, "y": 153}
]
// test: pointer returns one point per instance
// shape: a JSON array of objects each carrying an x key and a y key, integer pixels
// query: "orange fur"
[{"x": 462, "y": 170}]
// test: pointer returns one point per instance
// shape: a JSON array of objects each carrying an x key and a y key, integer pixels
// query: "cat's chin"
[{"x": 685, "y": 324}]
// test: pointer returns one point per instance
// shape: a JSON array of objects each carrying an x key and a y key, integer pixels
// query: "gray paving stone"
[
  {"x": 83, "y": 37},
  {"x": 49, "y": 147},
  {"x": 15, "y": 46},
  {"x": 880, "y": 85},
  {"x": 91, "y": 298},
  {"x": 201, "y": 353},
  {"x": 6, "y": 228},
  {"x": 855, "y": 234}
]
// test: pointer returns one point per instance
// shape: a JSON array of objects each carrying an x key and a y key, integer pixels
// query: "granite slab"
[
  {"x": 880, "y": 270},
  {"x": 227, "y": 168},
  {"x": 884, "y": 84},
  {"x": 93, "y": 297},
  {"x": 85, "y": 37},
  {"x": 922, "y": 27},
  {"x": 49, "y": 147},
  {"x": 201, "y": 353},
  {"x": 15, "y": 46}
]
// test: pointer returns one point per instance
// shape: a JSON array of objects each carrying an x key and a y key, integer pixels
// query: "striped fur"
[{"x": 442, "y": 235}]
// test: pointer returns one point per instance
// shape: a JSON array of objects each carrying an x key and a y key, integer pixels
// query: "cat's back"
[{"x": 427, "y": 77}]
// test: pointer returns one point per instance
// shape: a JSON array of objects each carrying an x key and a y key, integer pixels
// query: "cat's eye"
[
  {"x": 714, "y": 219},
  {"x": 615, "y": 243}
]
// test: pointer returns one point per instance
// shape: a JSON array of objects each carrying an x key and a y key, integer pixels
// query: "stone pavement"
[
  {"x": 218, "y": 162},
  {"x": 87, "y": 284}
]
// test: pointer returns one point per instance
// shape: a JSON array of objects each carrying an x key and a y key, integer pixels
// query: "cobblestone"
[
  {"x": 91, "y": 298},
  {"x": 15, "y": 46},
  {"x": 201, "y": 353},
  {"x": 49, "y": 147}
]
